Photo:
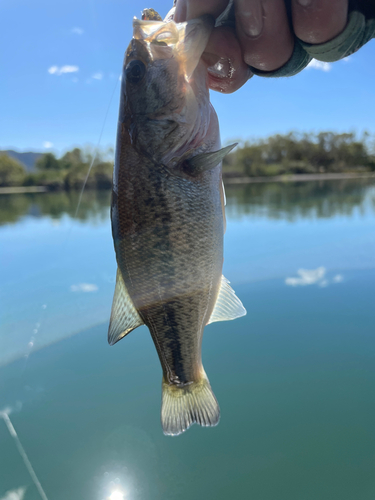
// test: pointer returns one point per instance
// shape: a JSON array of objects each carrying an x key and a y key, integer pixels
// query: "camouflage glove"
[{"x": 358, "y": 31}]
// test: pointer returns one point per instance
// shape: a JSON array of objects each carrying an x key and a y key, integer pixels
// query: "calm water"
[{"x": 295, "y": 378}]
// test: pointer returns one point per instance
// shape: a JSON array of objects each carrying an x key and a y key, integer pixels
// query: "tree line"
[
  {"x": 302, "y": 153},
  {"x": 293, "y": 153},
  {"x": 68, "y": 172}
]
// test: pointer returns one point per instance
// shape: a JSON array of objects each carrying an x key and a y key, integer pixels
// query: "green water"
[{"x": 294, "y": 378}]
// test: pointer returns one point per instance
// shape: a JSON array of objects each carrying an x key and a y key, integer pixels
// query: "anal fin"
[
  {"x": 228, "y": 306},
  {"x": 124, "y": 316}
]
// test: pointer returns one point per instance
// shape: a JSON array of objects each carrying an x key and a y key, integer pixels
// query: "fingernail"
[
  {"x": 222, "y": 68},
  {"x": 305, "y": 3},
  {"x": 250, "y": 15}
]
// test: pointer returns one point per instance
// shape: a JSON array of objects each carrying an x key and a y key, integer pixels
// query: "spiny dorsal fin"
[
  {"x": 228, "y": 306},
  {"x": 124, "y": 316},
  {"x": 206, "y": 161}
]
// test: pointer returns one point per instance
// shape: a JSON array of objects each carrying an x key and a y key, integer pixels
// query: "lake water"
[{"x": 295, "y": 378}]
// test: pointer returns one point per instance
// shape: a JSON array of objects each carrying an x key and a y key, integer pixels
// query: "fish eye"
[
  {"x": 161, "y": 44},
  {"x": 166, "y": 36},
  {"x": 135, "y": 71}
]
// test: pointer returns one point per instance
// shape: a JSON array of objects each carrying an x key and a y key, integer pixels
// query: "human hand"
[{"x": 262, "y": 37}]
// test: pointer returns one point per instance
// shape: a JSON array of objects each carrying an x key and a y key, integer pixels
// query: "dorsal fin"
[
  {"x": 124, "y": 316},
  {"x": 206, "y": 161},
  {"x": 228, "y": 306}
]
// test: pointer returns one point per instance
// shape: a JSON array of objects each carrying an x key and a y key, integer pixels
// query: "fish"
[{"x": 168, "y": 211}]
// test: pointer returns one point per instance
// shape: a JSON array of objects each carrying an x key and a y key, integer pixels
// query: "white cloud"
[
  {"x": 307, "y": 277},
  {"x": 84, "y": 287},
  {"x": 16, "y": 494},
  {"x": 97, "y": 76},
  {"x": 313, "y": 277},
  {"x": 323, "y": 66},
  {"x": 47, "y": 144},
  {"x": 347, "y": 59},
  {"x": 339, "y": 278},
  {"x": 77, "y": 31},
  {"x": 56, "y": 70}
]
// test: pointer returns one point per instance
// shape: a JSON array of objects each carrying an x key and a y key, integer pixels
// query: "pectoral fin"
[
  {"x": 206, "y": 161},
  {"x": 124, "y": 316},
  {"x": 228, "y": 306},
  {"x": 223, "y": 203}
]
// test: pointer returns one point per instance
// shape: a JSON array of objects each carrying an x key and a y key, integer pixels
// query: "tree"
[
  {"x": 12, "y": 172},
  {"x": 296, "y": 153},
  {"x": 72, "y": 159},
  {"x": 48, "y": 162}
]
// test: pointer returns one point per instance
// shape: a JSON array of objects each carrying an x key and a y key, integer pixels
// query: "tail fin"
[{"x": 186, "y": 405}]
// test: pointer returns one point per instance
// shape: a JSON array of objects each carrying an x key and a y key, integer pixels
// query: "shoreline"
[
  {"x": 227, "y": 180},
  {"x": 299, "y": 178},
  {"x": 23, "y": 189}
]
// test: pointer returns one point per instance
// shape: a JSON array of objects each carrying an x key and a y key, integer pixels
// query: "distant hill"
[{"x": 28, "y": 160}]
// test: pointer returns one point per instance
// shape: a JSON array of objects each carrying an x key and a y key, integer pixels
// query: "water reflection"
[
  {"x": 94, "y": 206},
  {"x": 293, "y": 377},
  {"x": 117, "y": 495},
  {"x": 115, "y": 490},
  {"x": 16, "y": 494},
  {"x": 293, "y": 200},
  {"x": 313, "y": 277}
]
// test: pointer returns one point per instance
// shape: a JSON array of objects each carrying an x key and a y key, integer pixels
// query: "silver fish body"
[{"x": 167, "y": 213}]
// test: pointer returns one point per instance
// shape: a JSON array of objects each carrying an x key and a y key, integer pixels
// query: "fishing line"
[
  {"x": 31, "y": 343},
  {"x": 29, "y": 350},
  {"x": 23, "y": 454},
  {"x": 96, "y": 150}
]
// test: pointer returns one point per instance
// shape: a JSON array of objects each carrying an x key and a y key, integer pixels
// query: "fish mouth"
[{"x": 159, "y": 40}]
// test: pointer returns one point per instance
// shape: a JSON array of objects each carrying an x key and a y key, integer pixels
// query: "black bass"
[{"x": 168, "y": 212}]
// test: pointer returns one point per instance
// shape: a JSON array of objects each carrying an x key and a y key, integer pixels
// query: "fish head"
[{"x": 164, "y": 91}]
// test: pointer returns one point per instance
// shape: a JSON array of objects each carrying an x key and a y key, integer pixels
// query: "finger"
[
  {"x": 227, "y": 71},
  {"x": 264, "y": 33},
  {"x": 181, "y": 11},
  {"x": 317, "y": 21},
  {"x": 191, "y": 9}
]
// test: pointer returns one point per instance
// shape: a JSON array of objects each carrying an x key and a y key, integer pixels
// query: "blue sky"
[{"x": 60, "y": 62}]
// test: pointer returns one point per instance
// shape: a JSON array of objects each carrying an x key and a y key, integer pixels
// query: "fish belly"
[{"x": 168, "y": 234}]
